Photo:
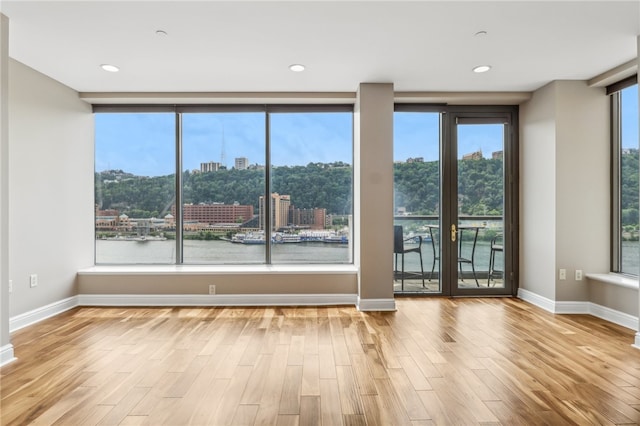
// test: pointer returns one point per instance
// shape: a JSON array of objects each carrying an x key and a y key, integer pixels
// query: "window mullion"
[
  {"x": 178, "y": 197},
  {"x": 267, "y": 190}
]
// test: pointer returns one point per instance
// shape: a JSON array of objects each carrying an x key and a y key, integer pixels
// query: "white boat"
[
  {"x": 336, "y": 239},
  {"x": 283, "y": 238},
  {"x": 238, "y": 238},
  {"x": 254, "y": 238}
]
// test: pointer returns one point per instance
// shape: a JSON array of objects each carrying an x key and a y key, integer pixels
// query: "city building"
[
  {"x": 242, "y": 163},
  {"x": 215, "y": 213},
  {"x": 308, "y": 218},
  {"x": 477, "y": 155},
  {"x": 211, "y": 166},
  {"x": 279, "y": 211}
]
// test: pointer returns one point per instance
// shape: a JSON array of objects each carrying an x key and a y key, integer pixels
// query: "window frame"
[
  {"x": 267, "y": 109},
  {"x": 614, "y": 92}
]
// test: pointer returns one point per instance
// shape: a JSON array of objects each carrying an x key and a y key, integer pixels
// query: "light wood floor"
[{"x": 434, "y": 361}]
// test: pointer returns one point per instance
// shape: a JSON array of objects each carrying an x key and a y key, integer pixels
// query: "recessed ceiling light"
[
  {"x": 482, "y": 68},
  {"x": 296, "y": 67},
  {"x": 110, "y": 68},
  {"x": 161, "y": 33}
]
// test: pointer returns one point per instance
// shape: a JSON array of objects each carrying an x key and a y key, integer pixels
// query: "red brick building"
[{"x": 215, "y": 213}]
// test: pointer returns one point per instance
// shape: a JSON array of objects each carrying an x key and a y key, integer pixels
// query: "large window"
[
  {"x": 626, "y": 248},
  {"x": 229, "y": 161},
  {"x": 134, "y": 187}
]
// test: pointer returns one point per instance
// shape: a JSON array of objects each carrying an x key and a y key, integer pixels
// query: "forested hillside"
[
  {"x": 629, "y": 190},
  {"x": 328, "y": 186}
]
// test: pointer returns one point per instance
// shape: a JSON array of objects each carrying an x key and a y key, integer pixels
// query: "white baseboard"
[
  {"x": 573, "y": 308},
  {"x": 44, "y": 312},
  {"x": 614, "y": 316},
  {"x": 6, "y": 354},
  {"x": 216, "y": 299},
  {"x": 376, "y": 304},
  {"x": 599, "y": 311},
  {"x": 535, "y": 299},
  {"x": 637, "y": 342}
]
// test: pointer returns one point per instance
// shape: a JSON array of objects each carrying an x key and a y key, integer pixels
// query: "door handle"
[{"x": 454, "y": 233}]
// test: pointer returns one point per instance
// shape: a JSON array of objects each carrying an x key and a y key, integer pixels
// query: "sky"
[
  {"x": 417, "y": 134},
  {"x": 143, "y": 144}
]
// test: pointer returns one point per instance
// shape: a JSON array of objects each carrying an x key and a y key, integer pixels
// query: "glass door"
[
  {"x": 480, "y": 198},
  {"x": 455, "y": 200}
]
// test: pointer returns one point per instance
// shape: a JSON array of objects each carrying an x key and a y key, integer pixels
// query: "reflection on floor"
[{"x": 413, "y": 284}]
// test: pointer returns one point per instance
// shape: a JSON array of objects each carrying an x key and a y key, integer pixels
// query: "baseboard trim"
[
  {"x": 44, "y": 312},
  {"x": 614, "y": 316},
  {"x": 589, "y": 308},
  {"x": 376, "y": 304},
  {"x": 637, "y": 342},
  {"x": 6, "y": 354},
  {"x": 216, "y": 299},
  {"x": 573, "y": 308},
  {"x": 537, "y": 300}
]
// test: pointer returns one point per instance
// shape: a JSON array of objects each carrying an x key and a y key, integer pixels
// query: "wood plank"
[
  {"x": 120, "y": 411},
  {"x": 310, "y": 413},
  {"x": 408, "y": 395},
  {"x": 290, "y": 398},
  {"x": 310, "y": 375},
  {"x": 362, "y": 374},
  {"x": 245, "y": 415},
  {"x": 349, "y": 396},
  {"x": 330, "y": 408},
  {"x": 231, "y": 398}
]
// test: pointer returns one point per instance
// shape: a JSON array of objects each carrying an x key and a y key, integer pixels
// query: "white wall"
[
  {"x": 50, "y": 188},
  {"x": 537, "y": 193},
  {"x": 583, "y": 185},
  {"x": 565, "y": 187}
]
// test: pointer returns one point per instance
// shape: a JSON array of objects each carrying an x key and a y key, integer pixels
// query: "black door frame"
[{"x": 450, "y": 116}]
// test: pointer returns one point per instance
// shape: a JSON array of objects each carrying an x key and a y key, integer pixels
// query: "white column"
[
  {"x": 373, "y": 195},
  {"x": 6, "y": 348}
]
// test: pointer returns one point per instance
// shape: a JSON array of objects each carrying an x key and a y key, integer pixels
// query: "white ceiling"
[{"x": 245, "y": 46}]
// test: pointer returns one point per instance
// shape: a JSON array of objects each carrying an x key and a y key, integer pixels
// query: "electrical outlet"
[
  {"x": 563, "y": 274},
  {"x": 578, "y": 274},
  {"x": 33, "y": 280},
  {"x": 212, "y": 289},
  {"x": 10, "y": 286}
]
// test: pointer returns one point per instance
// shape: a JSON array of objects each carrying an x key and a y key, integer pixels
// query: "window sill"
[
  {"x": 615, "y": 279},
  {"x": 217, "y": 269}
]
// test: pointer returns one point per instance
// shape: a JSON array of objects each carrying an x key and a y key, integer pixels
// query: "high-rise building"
[
  {"x": 279, "y": 211},
  {"x": 242, "y": 163},
  {"x": 211, "y": 166}
]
